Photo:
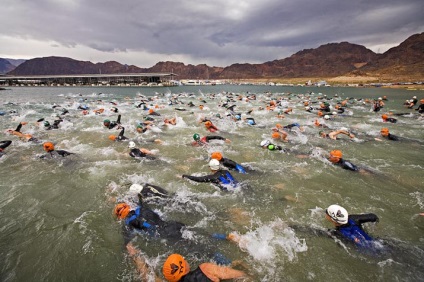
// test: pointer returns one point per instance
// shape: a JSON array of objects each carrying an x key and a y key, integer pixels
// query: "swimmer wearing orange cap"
[
  {"x": 386, "y": 118},
  {"x": 177, "y": 269},
  {"x": 52, "y": 153},
  {"x": 336, "y": 158},
  {"x": 386, "y": 134}
]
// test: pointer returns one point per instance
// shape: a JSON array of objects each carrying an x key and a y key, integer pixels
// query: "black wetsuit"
[
  {"x": 195, "y": 276},
  {"x": 3, "y": 145},
  {"x": 230, "y": 164},
  {"x": 146, "y": 220},
  {"x": 220, "y": 178},
  {"x": 392, "y": 120},
  {"x": 121, "y": 136},
  {"x": 56, "y": 154},
  {"x": 347, "y": 165},
  {"x": 420, "y": 108},
  {"x": 112, "y": 124},
  {"x": 136, "y": 153},
  {"x": 392, "y": 137}
]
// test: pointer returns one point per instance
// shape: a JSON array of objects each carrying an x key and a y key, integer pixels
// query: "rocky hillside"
[
  {"x": 6, "y": 66},
  {"x": 326, "y": 61}
]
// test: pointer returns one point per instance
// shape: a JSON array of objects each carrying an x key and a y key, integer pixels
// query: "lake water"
[{"x": 56, "y": 215}]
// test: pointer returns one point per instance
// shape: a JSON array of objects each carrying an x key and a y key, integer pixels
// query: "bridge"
[{"x": 119, "y": 79}]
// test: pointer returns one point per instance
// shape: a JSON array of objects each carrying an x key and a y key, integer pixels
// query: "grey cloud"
[{"x": 223, "y": 32}]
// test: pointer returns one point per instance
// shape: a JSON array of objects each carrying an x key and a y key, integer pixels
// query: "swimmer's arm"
[
  {"x": 217, "y": 272},
  {"x": 142, "y": 267}
]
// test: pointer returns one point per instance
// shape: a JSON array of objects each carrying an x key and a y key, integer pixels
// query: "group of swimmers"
[{"x": 176, "y": 268}]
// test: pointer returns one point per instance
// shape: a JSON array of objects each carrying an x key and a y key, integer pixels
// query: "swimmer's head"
[
  {"x": 131, "y": 145},
  {"x": 265, "y": 143},
  {"x": 106, "y": 122},
  {"x": 46, "y": 123},
  {"x": 122, "y": 210},
  {"x": 48, "y": 146},
  {"x": 214, "y": 164},
  {"x": 337, "y": 214},
  {"x": 112, "y": 137},
  {"x": 216, "y": 156},
  {"x": 139, "y": 128},
  {"x": 175, "y": 267},
  {"x": 276, "y": 135},
  {"x": 335, "y": 156},
  {"x": 327, "y": 117},
  {"x": 238, "y": 117},
  {"x": 136, "y": 188},
  {"x": 384, "y": 117},
  {"x": 384, "y": 132},
  {"x": 208, "y": 123},
  {"x": 196, "y": 136}
]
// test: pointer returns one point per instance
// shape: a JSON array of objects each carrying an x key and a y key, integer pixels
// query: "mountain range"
[{"x": 403, "y": 62}]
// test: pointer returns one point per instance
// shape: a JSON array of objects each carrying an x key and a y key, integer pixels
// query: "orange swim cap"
[
  {"x": 175, "y": 267},
  {"x": 422, "y": 101},
  {"x": 384, "y": 116},
  {"x": 336, "y": 154},
  {"x": 384, "y": 131},
  {"x": 208, "y": 123},
  {"x": 216, "y": 155},
  {"x": 151, "y": 111},
  {"x": 278, "y": 125},
  {"x": 122, "y": 210},
  {"x": 276, "y": 135},
  {"x": 320, "y": 114},
  {"x": 112, "y": 137},
  {"x": 48, "y": 146}
]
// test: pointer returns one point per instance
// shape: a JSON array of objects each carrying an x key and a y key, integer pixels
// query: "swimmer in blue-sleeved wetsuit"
[
  {"x": 349, "y": 227},
  {"x": 221, "y": 178}
]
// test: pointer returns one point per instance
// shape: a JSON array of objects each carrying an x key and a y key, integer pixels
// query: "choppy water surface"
[{"x": 56, "y": 215}]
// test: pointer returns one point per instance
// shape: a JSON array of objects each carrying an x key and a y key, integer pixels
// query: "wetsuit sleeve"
[
  {"x": 63, "y": 153},
  {"x": 18, "y": 129},
  {"x": 393, "y": 137},
  {"x": 207, "y": 178},
  {"x": 363, "y": 218},
  {"x": 229, "y": 163},
  {"x": 214, "y": 137},
  {"x": 121, "y": 134},
  {"x": 217, "y": 273},
  {"x": 4, "y": 144},
  {"x": 119, "y": 119}
]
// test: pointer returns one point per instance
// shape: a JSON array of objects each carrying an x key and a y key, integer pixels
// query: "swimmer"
[
  {"x": 336, "y": 158},
  {"x": 139, "y": 153},
  {"x": 420, "y": 108},
  {"x": 386, "y": 118},
  {"x": 120, "y": 137},
  {"x": 230, "y": 164},
  {"x": 107, "y": 123},
  {"x": 349, "y": 227},
  {"x": 52, "y": 153},
  {"x": 205, "y": 139},
  {"x": 387, "y": 135},
  {"x": 210, "y": 126},
  {"x": 23, "y": 136},
  {"x": 266, "y": 144},
  {"x": 333, "y": 134},
  {"x": 221, "y": 178},
  {"x": 3, "y": 145},
  {"x": 171, "y": 121},
  {"x": 149, "y": 191},
  {"x": 153, "y": 113},
  {"x": 177, "y": 269},
  {"x": 145, "y": 220}
]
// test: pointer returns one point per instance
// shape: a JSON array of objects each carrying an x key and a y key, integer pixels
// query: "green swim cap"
[
  {"x": 196, "y": 136},
  {"x": 46, "y": 123},
  {"x": 106, "y": 121}
]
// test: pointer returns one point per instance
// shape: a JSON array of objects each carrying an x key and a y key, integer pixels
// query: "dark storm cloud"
[{"x": 216, "y": 32}]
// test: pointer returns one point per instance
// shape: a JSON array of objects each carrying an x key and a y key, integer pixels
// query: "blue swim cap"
[
  {"x": 296, "y": 124},
  {"x": 251, "y": 122},
  {"x": 238, "y": 117}
]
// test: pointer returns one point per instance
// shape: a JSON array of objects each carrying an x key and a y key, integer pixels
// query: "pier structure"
[{"x": 119, "y": 79}]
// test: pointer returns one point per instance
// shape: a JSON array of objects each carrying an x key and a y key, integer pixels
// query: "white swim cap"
[
  {"x": 136, "y": 188},
  {"x": 214, "y": 164},
  {"x": 265, "y": 143},
  {"x": 326, "y": 117},
  {"x": 334, "y": 113},
  {"x": 337, "y": 213},
  {"x": 131, "y": 145}
]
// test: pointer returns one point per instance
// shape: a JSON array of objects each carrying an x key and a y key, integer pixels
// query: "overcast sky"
[{"x": 215, "y": 32}]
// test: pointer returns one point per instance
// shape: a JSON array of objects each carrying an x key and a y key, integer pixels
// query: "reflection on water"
[{"x": 57, "y": 214}]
